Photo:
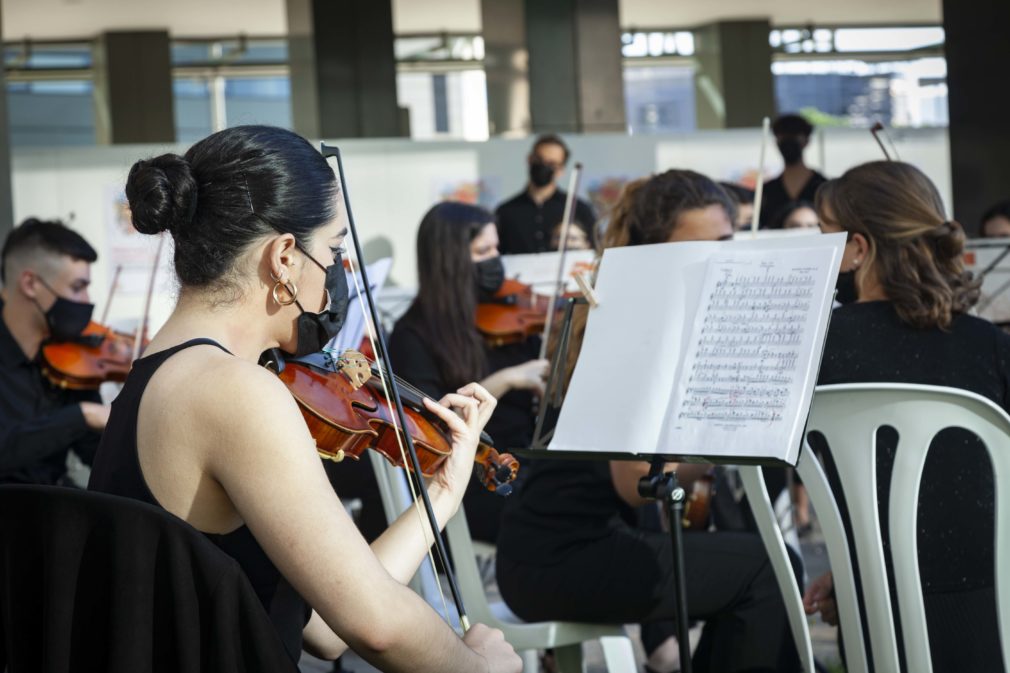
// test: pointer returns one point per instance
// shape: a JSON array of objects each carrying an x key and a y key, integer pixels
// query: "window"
[
  {"x": 444, "y": 104},
  {"x": 659, "y": 98},
  {"x": 51, "y": 112},
  {"x": 910, "y": 93}
]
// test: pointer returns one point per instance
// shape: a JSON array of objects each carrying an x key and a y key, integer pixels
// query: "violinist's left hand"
[{"x": 465, "y": 413}]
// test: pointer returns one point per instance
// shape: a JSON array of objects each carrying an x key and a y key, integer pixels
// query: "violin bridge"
[{"x": 355, "y": 367}]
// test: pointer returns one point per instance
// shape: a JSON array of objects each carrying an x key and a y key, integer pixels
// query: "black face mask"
[
  {"x": 541, "y": 174},
  {"x": 490, "y": 276},
  {"x": 845, "y": 287},
  {"x": 315, "y": 330},
  {"x": 792, "y": 150},
  {"x": 66, "y": 318}
]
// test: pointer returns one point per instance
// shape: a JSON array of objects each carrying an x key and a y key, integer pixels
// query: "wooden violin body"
[
  {"x": 347, "y": 412},
  {"x": 515, "y": 314},
  {"x": 100, "y": 354},
  {"x": 698, "y": 507}
]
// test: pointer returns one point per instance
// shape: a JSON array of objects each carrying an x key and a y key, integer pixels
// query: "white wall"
[{"x": 393, "y": 182}]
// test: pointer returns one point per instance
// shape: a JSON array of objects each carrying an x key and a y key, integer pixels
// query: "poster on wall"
[
  {"x": 485, "y": 192},
  {"x": 131, "y": 252}
]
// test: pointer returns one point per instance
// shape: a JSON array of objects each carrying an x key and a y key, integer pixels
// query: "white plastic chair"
[
  {"x": 849, "y": 416},
  {"x": 526, "y": 637},
  {"x": 771, "y": 535}
]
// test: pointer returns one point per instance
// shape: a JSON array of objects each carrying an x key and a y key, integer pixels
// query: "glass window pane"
[
  {"x": 258, "y": 100},
  {"x": 659, "y": 99},
  {"x": 192, "y": 109},
  {"x": 887, "y": 39},
  {"x": 51, "y": 113},
  {"x": 910, "y": 93}
]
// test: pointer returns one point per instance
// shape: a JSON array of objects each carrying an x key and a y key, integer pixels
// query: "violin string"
[{"x": 414, "y": 495}]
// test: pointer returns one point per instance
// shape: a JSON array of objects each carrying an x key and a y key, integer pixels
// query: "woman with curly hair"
[{"x": 909, "y": 324}]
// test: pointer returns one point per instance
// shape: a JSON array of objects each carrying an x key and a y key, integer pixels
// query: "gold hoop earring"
[{"x": 290, "y": 288}]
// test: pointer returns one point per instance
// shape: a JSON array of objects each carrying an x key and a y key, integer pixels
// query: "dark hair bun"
[{"x": 162, "y": 194}]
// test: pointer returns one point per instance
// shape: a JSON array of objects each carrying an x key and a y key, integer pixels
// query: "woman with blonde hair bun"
[{"x": 909, "y": 323}]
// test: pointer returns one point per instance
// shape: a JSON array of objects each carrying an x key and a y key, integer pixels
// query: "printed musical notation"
[{"x": 742, "y": 362}]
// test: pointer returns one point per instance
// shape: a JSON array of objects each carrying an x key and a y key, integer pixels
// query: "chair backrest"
[
  {"x": 396, "y": 499},
  {"x": 849, "y": 417},
  {"x": 90, "y": 581}
]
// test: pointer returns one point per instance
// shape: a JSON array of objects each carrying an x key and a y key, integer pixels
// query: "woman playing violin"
[
  {"x": 202, "y": 431},
  {"x": 436, "y": 345},
  {"x": 569, "y": 546}
]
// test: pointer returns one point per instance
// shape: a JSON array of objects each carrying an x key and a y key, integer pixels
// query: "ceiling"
[{"x": 54, "y": 19}]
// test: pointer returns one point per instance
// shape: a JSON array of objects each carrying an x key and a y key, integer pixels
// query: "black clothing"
[
  {"x": 569, "y": 549},
  {"x": 117, "y": 471},
  {"x": 867, "y": 342},
  {"x": 39, "y": 423},
  {"x": 774, "y": 199},
  {"x": 93, "y": 582},
  {"x": 524, "y": 226},
  {"x": 510, "y": 426}
]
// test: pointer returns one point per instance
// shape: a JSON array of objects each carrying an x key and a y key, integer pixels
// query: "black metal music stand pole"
[{"x": 663, "y": 486}]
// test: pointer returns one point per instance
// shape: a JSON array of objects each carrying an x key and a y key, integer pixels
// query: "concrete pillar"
[
  {"x": 133, "y": 88},
  {"x": 343, "y": 69},
  {"x": 6, "y": 203},
  {"x": 977, "y": 51},
  {"x": 575, "y": 70},
  {"x": 506, "y": 67},
  {"x": 733, "y": 85}
]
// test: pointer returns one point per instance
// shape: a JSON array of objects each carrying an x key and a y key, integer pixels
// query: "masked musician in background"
[
  {"x": 46, "y": 272},
  {"x": 526, "y": 221}
]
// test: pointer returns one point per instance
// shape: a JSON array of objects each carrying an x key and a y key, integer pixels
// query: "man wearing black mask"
[
  {"x": 797, "y": 182},
  {"x": 525, "y": 221},
  {"x": 46, "y": 269}
]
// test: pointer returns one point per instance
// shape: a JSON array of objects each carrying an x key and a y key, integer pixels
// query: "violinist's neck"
[
  {"x": 243, "y": 329},
  {"x": 25, "y": 323},
  {"x": 541, "y": 194}
]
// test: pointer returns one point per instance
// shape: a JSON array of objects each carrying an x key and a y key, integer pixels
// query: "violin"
[
  {"x": 100, "y": 354},
  {"x": 344, "y": 404},
  {"x": 698, "y": 507},
  {"x": 514, "y": 314}
]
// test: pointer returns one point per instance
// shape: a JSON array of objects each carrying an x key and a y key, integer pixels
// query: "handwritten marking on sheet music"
[{"x": 742, "y": 366}]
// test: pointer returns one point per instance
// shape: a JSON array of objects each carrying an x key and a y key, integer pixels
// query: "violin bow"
[
  {"x": 112, "y": 292},
  {"x": 878, "y": 127},
  {"x": 566, "y": 223},
  {"x": 142, "y": 327},
  {"x": 759, "y": 188},
  {"x": 389, "y": 381}
]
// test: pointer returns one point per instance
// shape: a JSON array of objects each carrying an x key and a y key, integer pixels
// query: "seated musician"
[
  {"x": 436, "y": 345},
  {"x": 46, "y": 271},
  {"x": 568, "y": 547},
  {"x": 910, "y": 325},
  {"x": 203, "y": 432}
]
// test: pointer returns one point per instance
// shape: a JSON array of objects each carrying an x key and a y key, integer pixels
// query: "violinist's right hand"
[
  {"x": 465, "y": 413},
  {"x": 490, "y": 644},
  {"x": 95, "y": 415}
]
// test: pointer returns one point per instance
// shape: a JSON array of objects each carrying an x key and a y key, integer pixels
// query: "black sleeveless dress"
[{"x": 116, "y": 470}]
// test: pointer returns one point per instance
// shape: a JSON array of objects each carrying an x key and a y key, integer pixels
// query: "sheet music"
[
  {"x": 720, "y": 343},
  {"x": 540, "y": 269},
  {"x": 743, "y": 381}
]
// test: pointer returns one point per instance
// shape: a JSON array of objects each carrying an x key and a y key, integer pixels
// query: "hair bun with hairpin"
[{"x": 162, "y": 193}]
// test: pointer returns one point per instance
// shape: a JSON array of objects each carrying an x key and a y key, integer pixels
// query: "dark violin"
[
  {"x": 100, "y": 354},
  {"x": 698, "y": 508},
  {"x": 347, "y": 412},
  {"x": 515, "y": 313}
]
